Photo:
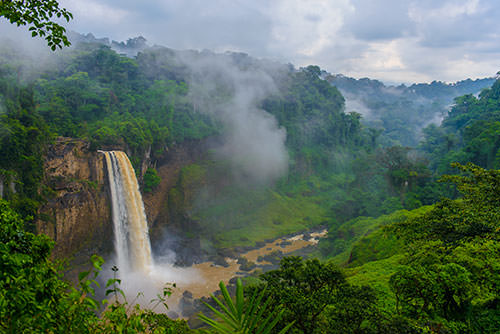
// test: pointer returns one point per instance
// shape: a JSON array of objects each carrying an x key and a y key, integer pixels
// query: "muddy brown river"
[{"x": 209, "y": 274}]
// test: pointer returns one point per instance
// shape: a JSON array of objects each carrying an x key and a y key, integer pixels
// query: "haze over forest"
[{"x": 393, "y": 41}]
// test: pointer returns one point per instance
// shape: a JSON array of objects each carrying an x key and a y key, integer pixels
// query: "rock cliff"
[
  {"x": 169, "y": 167},
  {"x": 78, "y": 214},
  {"x": 165, "y": 232}
]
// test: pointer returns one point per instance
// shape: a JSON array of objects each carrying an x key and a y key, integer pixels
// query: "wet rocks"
[
  {"x": 273, "y": 257},
  {"x": 245, "y": 265}
]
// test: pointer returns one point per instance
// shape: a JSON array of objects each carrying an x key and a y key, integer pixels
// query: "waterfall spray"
[
  {"x": 140, "y": 275},
  {"x": 132, "y": 245}
]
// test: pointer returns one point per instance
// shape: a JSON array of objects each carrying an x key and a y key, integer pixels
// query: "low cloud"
[
  {"x": 355, "y": 104},
  {"x": 253, "y": 141}
]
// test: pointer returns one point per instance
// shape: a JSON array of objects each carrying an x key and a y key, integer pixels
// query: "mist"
[
  {"x": 353, "y": 104},
  {"x": 32, "y": 56},
  {"x": 143, "y": 288},
  {"x": 4, "y": 130},
  {"x": 253, "y": 141}
]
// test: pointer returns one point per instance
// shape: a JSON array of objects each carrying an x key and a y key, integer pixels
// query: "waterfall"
[{"x": 132, "y": 245}]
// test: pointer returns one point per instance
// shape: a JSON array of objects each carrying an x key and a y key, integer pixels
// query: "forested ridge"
[
  {"x": 413, "y": 240},
  {"x": 401, "y": 112}
]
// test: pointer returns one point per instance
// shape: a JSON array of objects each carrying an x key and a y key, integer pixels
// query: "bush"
[{"x": 151, "y": 180}]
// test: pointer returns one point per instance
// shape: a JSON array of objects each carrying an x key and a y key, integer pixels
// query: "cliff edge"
[{"x": 78, "y": 214}]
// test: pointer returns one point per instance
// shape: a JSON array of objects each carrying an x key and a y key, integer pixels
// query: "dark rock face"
[
  {"x": 78, "y": 215},
  {"x": 169, "y": 167},
  {"x": 169, "y": 224}
]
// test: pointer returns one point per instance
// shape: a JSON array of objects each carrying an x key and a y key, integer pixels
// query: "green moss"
[{"x": 191, "y": 175}]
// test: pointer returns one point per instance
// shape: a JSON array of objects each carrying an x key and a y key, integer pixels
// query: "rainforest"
[{"x": 147, "y": 189}]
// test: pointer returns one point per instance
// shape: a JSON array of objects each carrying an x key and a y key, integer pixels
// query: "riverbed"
[{"x": 209, "y": 274}]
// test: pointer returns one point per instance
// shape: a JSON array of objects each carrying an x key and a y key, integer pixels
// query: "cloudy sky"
[{"x": 391, "y": 40}]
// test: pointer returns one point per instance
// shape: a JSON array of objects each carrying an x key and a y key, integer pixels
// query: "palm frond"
[{"x": 243, "y": 316}]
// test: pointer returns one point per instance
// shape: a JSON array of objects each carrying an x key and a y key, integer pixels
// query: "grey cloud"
[
  {"x": 451, "y": 24},
  {"x": 379, "y": 20},
  {"x": 431, "y": 42},
  {"x": 218, "y": 25},
  {"x": 449, "y": 41},
  {"x": 439, "y": 33}
]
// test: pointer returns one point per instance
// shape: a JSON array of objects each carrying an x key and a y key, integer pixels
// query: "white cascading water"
[
  {"x": 132, "y": 245},
  {"x": 140, "y": 275}
]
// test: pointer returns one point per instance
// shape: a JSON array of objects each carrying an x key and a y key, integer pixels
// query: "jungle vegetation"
[{"x": 404, "y": 253}]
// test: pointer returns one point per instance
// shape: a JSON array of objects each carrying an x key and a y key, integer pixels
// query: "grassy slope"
[
  {"x": 361, "y": 240},
  {"x": 376, "y": 274},
  {"x": 370, "y": 254},
  {"x": 241, "y": 218}
]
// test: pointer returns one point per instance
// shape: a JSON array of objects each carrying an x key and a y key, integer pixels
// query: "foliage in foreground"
[
  {"x": 35, "y": 299},
  {"x": 244, "y": 317},
  {"x": 317, "y": 299},
  {"x": 39, "y": 16},
  {"x": 446, "y": 282},
  {"x": 307, "y": 297}
]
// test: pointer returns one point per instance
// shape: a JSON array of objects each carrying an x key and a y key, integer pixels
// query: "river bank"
[{"x": 259, "y": 259}]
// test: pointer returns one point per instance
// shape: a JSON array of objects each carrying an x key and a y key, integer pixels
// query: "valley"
[{"x": 350, "y": 205}]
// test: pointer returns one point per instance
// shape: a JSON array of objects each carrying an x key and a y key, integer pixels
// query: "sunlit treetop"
[{"x": 38, "y": 15}]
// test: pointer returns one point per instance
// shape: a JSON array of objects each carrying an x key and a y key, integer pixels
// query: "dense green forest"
[
  {"x": 404, "y": 252},
  {"x": 468, "y": 133}
]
